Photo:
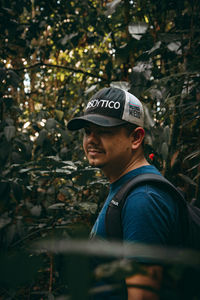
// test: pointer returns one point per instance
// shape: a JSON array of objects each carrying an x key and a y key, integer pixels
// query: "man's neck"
[{"x": 116, "y": 174}]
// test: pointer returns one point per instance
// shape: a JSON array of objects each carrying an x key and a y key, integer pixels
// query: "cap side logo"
[{"x": 134, "y": 110}]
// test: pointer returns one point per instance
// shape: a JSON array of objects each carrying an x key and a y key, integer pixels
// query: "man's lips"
[{"x": 94, "y": 150}]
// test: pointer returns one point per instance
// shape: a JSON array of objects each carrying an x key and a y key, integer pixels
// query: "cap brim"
[{"x": 81, "y": 122}]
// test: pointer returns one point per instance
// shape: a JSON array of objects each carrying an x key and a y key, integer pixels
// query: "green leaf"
[
  {"x": 17, "y": 190},
  {"x": 192, "y": 155},
  {"x": 13, "y": 78},
  {"x": 187, "y": 179},
  {"x": 62, "y": 171},
  {"x": 56, "y": 206},
  {"x": 111, "y": 7},
  {"x": 137, "y": 29},
  {"x": 164, "y": 150},
  {"x": 51, "y": 296},
  {"x": 124, "y": 85},
  {"x": 88, "y": 206},
  {"x": 167, "y": 134},
  {"x": 149, "y": 120},
  {"x": 4, "y": 220},
  {"x": 26, "y": 170},
  {"x": 50, "y": 123},
  {"x": 42, "y": 137},
  {"x": 67, "y": 38},
  {"x": 90, "y": 89},
  {"x": 9, "y": 132},
  {"x": 59, "y": 114},
  {"x": 36, "y": 210},
  {"x": 65, "y": 135}
]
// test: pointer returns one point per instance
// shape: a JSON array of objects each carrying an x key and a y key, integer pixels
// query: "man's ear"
[{"x": 137, "y": 137}]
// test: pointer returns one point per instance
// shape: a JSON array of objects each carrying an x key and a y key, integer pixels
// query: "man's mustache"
[{"x": 94, "y": 148}]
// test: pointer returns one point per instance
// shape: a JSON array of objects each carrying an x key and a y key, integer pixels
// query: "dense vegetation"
[{"x": 53, "y": 56}]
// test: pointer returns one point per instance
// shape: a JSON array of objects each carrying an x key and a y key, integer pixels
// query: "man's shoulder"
[
  {"x": 150, "y": 198},
  {"x": 146, "y": 192},
  {"x": 144, "y": 170},
  {"x": 146, "y": 186}
]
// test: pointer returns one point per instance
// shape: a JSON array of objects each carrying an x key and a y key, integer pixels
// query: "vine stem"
[{"x": 50, "y": 273}]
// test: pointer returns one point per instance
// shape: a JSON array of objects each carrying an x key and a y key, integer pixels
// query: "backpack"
[{"x": 189, "y": 214}]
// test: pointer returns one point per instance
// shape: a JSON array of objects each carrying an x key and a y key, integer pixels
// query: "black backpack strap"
[{"x": 113, "y": 214}]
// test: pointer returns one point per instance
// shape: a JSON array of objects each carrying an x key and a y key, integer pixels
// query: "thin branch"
[
  {"x": 50, "y": 272},
  {"x": 41, "y": 64},
  {"x": 115, "y": 287}
]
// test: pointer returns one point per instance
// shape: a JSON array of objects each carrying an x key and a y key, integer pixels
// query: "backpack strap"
[{"x": 113, "y": 220}]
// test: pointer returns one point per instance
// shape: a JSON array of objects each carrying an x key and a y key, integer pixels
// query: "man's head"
[
  {"x": 113, "y": 125},
  {"x": 110, "y": 107}
]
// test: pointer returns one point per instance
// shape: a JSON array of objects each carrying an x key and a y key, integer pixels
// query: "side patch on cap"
[{"x": 134, "y": 110}]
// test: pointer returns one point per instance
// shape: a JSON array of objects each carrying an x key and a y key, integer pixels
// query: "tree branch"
[{"x": 41, "y": 64}]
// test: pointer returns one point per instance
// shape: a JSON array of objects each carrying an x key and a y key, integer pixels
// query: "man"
[{"x": 113, "y": 141}]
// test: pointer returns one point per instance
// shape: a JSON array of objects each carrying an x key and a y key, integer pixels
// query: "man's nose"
[{"x": 93, "y": 137}]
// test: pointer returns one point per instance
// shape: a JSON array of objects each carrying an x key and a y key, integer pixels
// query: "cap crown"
[
  {"x": 107, "y": 102},
  {"x": 116, "y": 103},
  {"x": 110, "y": 107}
]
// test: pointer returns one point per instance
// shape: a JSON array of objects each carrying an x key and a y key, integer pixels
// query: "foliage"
[{"x": 53, "y": 56}]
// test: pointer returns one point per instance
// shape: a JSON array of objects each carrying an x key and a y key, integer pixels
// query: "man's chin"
[{"x": 96, "y": 164}]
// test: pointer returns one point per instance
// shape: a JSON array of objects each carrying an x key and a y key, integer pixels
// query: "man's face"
[{"x": 108, "y": 148}]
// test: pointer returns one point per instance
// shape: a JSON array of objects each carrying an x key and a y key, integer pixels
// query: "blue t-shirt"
[{"x": 149, "y": 215}]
